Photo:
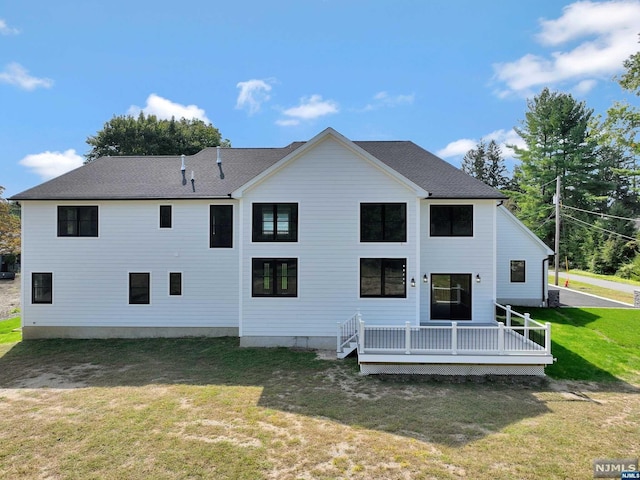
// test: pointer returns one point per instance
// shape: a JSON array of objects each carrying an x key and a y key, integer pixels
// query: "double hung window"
[
  {"x": 518, "y": 271},
  {"x": 139, "y": 288},
  {"x": 42, "y": 287},
  {"x": 275, "y": 222}
]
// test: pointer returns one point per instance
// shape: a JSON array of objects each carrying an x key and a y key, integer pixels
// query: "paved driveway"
[
  {"x": 571, "y": 298},
  {"x": 621, "y": 287}
]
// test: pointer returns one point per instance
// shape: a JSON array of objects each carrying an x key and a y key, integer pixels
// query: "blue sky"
[{"x": 442, "y": 73}]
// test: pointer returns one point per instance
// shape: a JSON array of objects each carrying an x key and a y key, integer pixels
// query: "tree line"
[{"x": 597, "y": 160}]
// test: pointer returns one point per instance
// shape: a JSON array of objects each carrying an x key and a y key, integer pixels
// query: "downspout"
[{"x": 545, "y": 299}]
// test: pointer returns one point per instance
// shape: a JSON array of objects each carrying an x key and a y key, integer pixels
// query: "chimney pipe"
[{"x": 218, "y": 160}]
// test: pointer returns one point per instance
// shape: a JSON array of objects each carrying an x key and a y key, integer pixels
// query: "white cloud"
[
  {"x": 502, "y": 137},
  {"x": 607, "y": 32},
  {"x": 253, "y": 93},
  {"x": 309, "y": 109},
  {"x": 457, "y": 148},
  {"x": 51, "y": 164},
  {"x": 383, "y": 99},
  {"x": 584, "y": 87},
  {"x": 16, "y": 74},
  {"x": 6, "y": 29},
  {"x": 165, "y": 109}
]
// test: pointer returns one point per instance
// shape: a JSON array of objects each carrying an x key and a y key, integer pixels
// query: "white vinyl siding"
[
  {"x": 516, "y": 242},
  {"x": 91, "y": 274},
  {"x": 461, "y": 255},
  {"x": 328, "y": 183}
]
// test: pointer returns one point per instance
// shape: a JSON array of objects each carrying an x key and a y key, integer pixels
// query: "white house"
[
  {"x": 279, "y": 246},
  {"x": 523, "y": 263}
]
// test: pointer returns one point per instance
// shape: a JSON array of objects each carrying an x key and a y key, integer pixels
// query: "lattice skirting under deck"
[{"x": 445, "y": 369}]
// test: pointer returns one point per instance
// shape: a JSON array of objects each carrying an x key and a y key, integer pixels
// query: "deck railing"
[
  {"x": 532, "y": 338},
  {"x": 524, "y": 325}
]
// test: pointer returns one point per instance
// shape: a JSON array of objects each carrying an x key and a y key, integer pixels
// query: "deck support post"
[
  {"x": 339, "y": 337},
  {"x": 360, "y": 334},
  {"x": 500, "y": 338},
  {"x": 454, "y": 338},
  {"x": 407, "y": 338},
  {"x": 527, "y": 317},
  {"x": 547, "y": 337},
  {"x": 508, "y": 315}
]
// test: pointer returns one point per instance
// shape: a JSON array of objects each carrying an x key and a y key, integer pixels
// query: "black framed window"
[
  {"x": 42, "y": 288},
  {"x": 383, "y": 222},
  {"x": 139, "y": 288},
  {"x": 275, "y": 222},
  {"x": 77, "y": 221},
  {"x": 221, "y": 226},
  {"x": 383, "y": 277},
  {"x": 518, "y": 271},
  {"x": 451, "y": 296},
  {"x": 175, "y": 283},
  {"x": 165, "y": 216},
  {"x": 451, "y": 220},
  {"x": 274, "y": 277}
]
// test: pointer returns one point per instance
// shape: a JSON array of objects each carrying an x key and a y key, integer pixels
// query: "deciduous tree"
[
  {"x": 147, "y": 135},
  {"x": 9, "y": 228}
]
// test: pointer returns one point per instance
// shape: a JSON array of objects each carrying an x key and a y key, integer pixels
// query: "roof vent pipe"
[
  {"x": 182, "y": 169},
  {"x": 218, "y": 159}
]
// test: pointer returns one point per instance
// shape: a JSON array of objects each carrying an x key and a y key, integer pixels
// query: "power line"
[
  {"x": 601, "y": 215},
  {"x": 599, "y": 228}
]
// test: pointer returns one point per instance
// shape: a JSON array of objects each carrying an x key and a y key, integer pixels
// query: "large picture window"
[
  {"x": 451, "y": 296},
  {"x": 274, "y": 277},
  {"x": 221, "y": 226},
  {"x": 451, "y": 220},
  {"x": 383, "y": 277},
  {"x": 518, "y": 271},
  {"x": 77, "y": 221},
  {"x": 139, "y": 288},
  {"x": 275, "y": 222},
  {"x": 383, "y": 222},
  {"x": 42, "y": 288}
]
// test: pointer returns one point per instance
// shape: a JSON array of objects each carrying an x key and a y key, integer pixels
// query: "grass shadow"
[{"x": 447, "y": 411}]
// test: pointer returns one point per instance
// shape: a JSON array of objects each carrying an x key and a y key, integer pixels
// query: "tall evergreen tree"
[
  {"x": 555, "y": 130},
  {"x": 485, "y": 162}
]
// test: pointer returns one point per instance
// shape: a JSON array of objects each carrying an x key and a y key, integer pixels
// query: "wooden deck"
[{"x": 455, "y": 348}]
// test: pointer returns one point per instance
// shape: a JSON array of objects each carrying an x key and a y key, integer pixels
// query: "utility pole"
[{"x": 557, "y": 245}]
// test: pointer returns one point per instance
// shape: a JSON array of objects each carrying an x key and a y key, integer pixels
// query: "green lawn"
[
  {"x": 597, "y": 344},
  {"x": 205, "y": 408},
  {"x": 9, "y": 330}
]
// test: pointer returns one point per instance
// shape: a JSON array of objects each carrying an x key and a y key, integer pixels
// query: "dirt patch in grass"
[
  {"x": 9, "y": 298},
  {"x": 204, "y": 408}
]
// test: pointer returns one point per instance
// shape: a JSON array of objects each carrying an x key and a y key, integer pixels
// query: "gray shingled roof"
[{"x": 160, "y": 177}]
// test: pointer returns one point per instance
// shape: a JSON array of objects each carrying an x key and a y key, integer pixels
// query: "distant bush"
[{"x": 630, "y": 270}]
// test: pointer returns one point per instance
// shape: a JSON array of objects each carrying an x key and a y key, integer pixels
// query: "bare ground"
[{"x": 9, "y": 297}]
